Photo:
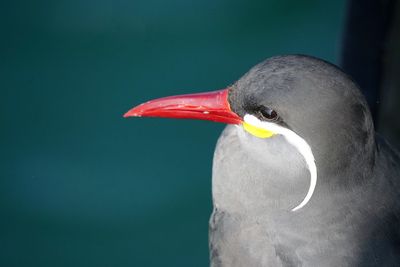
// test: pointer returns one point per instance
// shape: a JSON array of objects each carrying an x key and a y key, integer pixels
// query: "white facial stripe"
[{"x": 299, "y": 143}]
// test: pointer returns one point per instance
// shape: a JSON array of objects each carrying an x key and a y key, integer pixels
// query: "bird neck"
[
  {"x": 344, "y": 159},
  {"x": 252, "y": 174}
]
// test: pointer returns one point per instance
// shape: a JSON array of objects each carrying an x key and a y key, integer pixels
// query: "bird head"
[{"x": 317, "y": 108}]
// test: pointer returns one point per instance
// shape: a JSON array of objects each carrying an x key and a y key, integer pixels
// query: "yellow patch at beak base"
[{"x": 256, "y": 131}]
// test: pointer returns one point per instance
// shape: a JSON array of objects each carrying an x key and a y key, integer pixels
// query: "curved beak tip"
[
  {"x": 135, "y": 112},
  {"x": 131, "y": 114}
]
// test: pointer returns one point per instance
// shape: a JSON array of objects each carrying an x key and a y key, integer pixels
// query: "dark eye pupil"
[{"x": 268, "y": 113}]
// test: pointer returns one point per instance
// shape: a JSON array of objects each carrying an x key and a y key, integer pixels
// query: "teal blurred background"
[{"x": 80, "y": 185}]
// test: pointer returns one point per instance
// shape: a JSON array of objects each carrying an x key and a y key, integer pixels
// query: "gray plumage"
[{"x": 352, "y": 218}]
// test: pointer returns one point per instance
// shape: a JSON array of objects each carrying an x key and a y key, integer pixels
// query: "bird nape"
[{"x": 299, "y": 176}]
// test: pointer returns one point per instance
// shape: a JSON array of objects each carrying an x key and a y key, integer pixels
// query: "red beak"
[{"x": 212, "y": 106}]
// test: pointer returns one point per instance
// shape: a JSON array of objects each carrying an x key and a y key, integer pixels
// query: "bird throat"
[{"x": 265, "y": 129}]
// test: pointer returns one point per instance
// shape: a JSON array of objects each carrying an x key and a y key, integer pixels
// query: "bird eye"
[{"x": 268, "y": 113}]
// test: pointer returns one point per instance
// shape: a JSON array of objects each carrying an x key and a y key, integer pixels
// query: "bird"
[{"x": 300, "y": 177}]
